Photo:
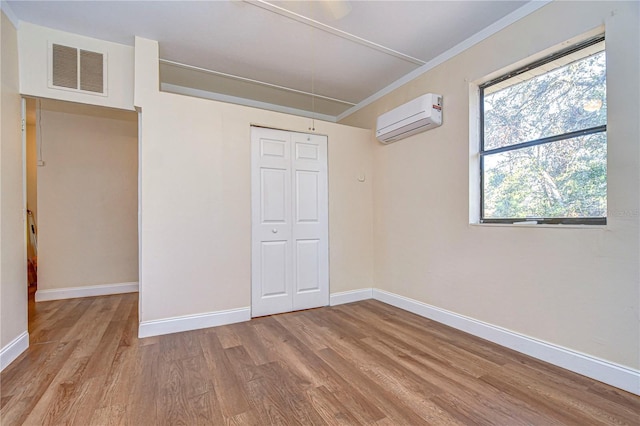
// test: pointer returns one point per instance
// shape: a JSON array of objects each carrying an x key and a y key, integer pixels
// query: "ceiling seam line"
[
  {"x": 250, "y": 80},
  {"x": 332, "y": 30}
]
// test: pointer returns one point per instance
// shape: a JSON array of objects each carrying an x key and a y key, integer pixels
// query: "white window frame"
[{"x": 478, "y": 165}]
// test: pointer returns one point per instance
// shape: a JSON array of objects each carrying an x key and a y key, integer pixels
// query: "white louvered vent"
[{"x": 77, "y": 69}]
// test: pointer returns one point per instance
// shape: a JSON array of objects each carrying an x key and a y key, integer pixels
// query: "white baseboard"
[
  {"x": 350, "y": 296},
  {"x": 88, "y": 291},
  {"x": 13, "y": 350},
  {"x": 213, "y": 319},
  {"x": 613, "y": 374},
  {"x": 193, "y": 322}
]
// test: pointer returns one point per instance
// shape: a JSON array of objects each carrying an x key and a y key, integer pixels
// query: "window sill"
[{"x": 539, "y": 225}]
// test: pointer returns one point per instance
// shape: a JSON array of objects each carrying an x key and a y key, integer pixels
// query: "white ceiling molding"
[
  {"x": 329, "y": 29},
  {"x": 456, "y": 50},
  {"x": 188, "y": 91},
  {"x": 263, "y": 83}
]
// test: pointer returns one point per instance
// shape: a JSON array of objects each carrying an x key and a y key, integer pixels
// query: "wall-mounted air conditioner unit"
[{"x": 418, "y": 115}]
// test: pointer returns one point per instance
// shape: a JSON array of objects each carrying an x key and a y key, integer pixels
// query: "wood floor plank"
[
  {"x": 248, "y": 418},
  {"x": 180, "y": 345},
  {"x": 34, "y": 381},
  {"x": 363, "y": 409},
  {"x": 299, "y": 326},
  {"x": 277, "y": 400},
  {"x": 227, "y": 336},
  {"x": 88, "y": 401},
  {"x": 142, "y": 396},
  {"x": 196, "y": 380},
  {"x": 104, "y": 354},
  {"x": 56, "y": 403},
  {"x": 584, "y": 403},
  {"x": 130, "y": 333},
  {"x": 59, "y": 325},
  {"x": 386, "y": 402},
  {"x": 617, "y": 396},
  {"x": 366, "y": 358},
  {"x": 448, "y": 350},
  {"x": 88, "y": 343},
  {"x": 446, "y": 378},
  {"x": 330, "y": 408},
  {"x": 543, "y": 404},
  {"x": 349, "y": 396},
  {"x": 206, "y": 409},
  {"x": 78, "y": 330},
  {"x": 173, "y": 407},
  {"x": 4, "y": 400},
  {"x": 363, "y": 363},
  {"x": 252, "y": 343},
  {"x": 228, "y": 390},
  {"x": 119, "y": 378},
  {"x": 39, "y": 355},
  {"x": 109, "y": 416},
  {"x": 287, "y": 348}
]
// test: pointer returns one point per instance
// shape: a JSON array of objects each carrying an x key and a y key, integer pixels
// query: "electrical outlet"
[{"x": 40, "y": 162}]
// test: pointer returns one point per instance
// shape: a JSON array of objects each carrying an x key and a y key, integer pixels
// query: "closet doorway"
[{"x": 290, "y": 238}]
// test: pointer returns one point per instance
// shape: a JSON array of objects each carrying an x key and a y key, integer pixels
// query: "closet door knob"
[{"x": 274, "y": 230}]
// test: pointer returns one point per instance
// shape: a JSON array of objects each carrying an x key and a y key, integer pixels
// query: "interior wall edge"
[
  {"x": 13, "y": 248},
  {"x": 9, "y": 13}
]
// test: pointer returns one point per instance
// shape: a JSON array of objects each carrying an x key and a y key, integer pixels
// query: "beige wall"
[
  {"x": 13, "y": 261},
  {"x": 87, "y": 196},
  {"x": 196, "y": 199},
  {"x": 574, "y": 287}
]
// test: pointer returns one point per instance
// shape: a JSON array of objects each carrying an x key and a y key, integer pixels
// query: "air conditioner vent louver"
[
  {"x": 77, "y": 69},
  {"x": 65, "y": 66},
  {"x": 91, "y": 75}
]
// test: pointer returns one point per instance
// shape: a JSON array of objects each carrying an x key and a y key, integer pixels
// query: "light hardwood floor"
[{"x": 362, "y": 363}]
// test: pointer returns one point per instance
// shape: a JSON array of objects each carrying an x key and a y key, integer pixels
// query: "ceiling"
[{"x": 277, "y": 54}]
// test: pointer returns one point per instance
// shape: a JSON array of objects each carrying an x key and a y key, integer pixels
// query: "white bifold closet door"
[{"x": 289, "y": 203}]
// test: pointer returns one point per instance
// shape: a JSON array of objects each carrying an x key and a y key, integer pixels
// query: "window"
[{"x": 543, "y": 148}]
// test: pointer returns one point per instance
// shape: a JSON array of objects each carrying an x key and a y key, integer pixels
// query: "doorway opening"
[
  {"x": 31, "y": 182},
  {"x": 81, "y": 196}
]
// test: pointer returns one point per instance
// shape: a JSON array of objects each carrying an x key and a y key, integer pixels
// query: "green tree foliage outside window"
[{"x": 544, "y": 147}]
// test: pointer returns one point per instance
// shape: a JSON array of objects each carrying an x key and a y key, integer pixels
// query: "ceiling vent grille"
[{"x": 77, "y": 69}]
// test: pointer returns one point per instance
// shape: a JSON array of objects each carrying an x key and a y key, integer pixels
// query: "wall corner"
[{"x": 146, "y": 70}]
